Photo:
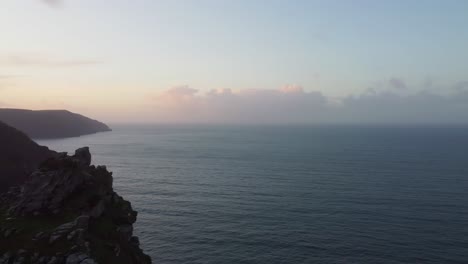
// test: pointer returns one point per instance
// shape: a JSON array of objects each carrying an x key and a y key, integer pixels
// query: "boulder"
[{"x": 83, "y": 156}]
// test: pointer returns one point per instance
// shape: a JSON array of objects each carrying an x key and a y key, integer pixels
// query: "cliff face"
[
  {"x": 68, "y": 212},
  {"x": 19, "y": 156},
  {"x": 51, "y": 123}
]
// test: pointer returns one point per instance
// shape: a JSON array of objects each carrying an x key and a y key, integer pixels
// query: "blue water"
[{"x": 277, "y": 194}]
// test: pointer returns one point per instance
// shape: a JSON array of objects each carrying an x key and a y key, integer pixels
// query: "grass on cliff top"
[
  {"x": 41, "y": 223},
  {"x": 27, "y": 228}
]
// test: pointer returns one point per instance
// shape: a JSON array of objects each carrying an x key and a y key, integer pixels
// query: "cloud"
[
  {"x": 397, "y": 83},
  {"x": 53, "y": 3},
  {"x": 178, "y": 94},
  {"x": 294, "y": 104},
  {"x": 290, "y": 104},
  {"x": 461, "y": 86},
  {"x": 292, "y": 89},
  {"x": 33, "y": 60},
  {"x": 420, "y": 107}
]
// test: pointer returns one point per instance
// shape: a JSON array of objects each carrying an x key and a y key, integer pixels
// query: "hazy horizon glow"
[{"x": 238, "y": 61}]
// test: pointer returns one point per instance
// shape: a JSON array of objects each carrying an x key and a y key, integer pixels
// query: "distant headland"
[{"x": 47, "y": 124}]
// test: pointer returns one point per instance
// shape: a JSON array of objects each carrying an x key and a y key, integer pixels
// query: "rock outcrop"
[
  {"x": 51, "y": 123},
  {"x": 19, "y": 156},
  {"x": 67, "y": 212}
]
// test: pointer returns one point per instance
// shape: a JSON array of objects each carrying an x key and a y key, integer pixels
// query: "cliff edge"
[{"x": 67, "y": 212}]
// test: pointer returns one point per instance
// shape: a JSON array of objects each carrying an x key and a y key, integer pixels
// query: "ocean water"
[{"x": 297, "y": 194}]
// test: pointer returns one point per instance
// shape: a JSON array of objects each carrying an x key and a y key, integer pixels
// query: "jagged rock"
[
  {"x": 46, "y": 191},
  {"x": 39, "y": 236},
  {"x": 53, "y": 260},
  {"x": 70, "y": 190},
  {"x": 5, "y": 258},
  {"x": 72, "y": 235},
  {"x": 54, "y": 238},
  {"x": 59, "y": 179},
  {"x": 35, "y": 257},
  {"x": 77, "y": 258},
  {"x": 125, "y": 231},
  {"x": 88, "y": 261},
  {"x": 135, "y": 241},
  {"x": 82, "y": 221},
  {"x": 125, "y": 213},
  {"x": 64, "y": 228},
  {"x": 9, "y": 232},
  {"x": 117, "y": 250},
  {"x": 83, "y": 156},
  {"x": 98, "y": 209},
  {"x": 20, "y": 260},
  {"x": 61, "y": 231}
]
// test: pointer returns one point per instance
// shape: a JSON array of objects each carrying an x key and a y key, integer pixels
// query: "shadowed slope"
[{"x": 19, "y": 156}]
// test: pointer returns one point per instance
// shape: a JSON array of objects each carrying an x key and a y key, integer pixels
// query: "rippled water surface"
[{"x": 272, "y": 194}]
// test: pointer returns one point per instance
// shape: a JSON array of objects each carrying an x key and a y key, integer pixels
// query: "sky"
[{"x": 238, "y": 61}]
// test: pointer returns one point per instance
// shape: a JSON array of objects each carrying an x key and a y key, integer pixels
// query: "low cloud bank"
[{"x": 292, "y": 104}]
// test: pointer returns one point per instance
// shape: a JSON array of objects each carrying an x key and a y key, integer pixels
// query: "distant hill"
[
  {"x": 51, "y": 123},
  {"x": 19, "y": 156}
]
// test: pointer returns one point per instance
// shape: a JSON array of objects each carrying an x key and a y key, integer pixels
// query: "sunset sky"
[{"x": 237, "y": 61}]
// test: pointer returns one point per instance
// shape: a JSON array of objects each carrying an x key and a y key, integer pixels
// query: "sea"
[{"x": 291, "y": 194}]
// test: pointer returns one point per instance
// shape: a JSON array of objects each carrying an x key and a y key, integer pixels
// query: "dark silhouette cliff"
[
  {"x": 51, "y": 123},
  {"x": 60, "y": 209},
  {"x": 19, "y": 156},
  {"x": 68, "y": 213}
]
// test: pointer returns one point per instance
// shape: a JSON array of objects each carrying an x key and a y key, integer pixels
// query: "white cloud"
[
  {"x": 290, "y": 105},
  {"x": 293, "y": 104}
]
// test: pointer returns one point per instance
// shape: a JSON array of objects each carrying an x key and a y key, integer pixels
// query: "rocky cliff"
[
  {"x": 51, "y": 123},
  {"x": 67, "y": 212},
  {"x": 19, "y": 156}
]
